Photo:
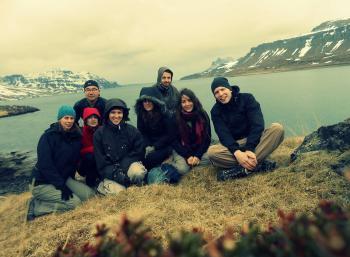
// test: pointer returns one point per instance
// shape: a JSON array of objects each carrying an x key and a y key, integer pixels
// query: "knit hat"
[
  {"x": 220, "y": 82},
  {"x": 91, "y": 83},
  {"x": 65, "y": 110}
]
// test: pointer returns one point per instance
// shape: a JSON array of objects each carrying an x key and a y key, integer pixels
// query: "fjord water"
[{"x": 300, "y": 100}]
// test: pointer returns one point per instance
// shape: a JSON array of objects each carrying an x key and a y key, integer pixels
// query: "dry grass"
[{"x": 199, "y": 201}]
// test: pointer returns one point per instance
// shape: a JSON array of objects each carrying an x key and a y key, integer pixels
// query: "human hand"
[
  {"x": 244, "y": 160},
  {"x": 252, "y": 156},
  {"x": 195, "y": 161},
  {"x": 190, "y": 160},
  {"x": 66, "y": 193}
]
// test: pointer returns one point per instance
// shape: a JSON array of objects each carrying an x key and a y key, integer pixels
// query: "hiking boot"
[
  {"x": 233, "y": 173},
  {"x": 265, "y": 166},
  {"x": 30, "y": 213}
]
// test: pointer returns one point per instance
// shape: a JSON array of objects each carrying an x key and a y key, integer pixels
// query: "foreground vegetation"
[{"x": 198, "y": 201}]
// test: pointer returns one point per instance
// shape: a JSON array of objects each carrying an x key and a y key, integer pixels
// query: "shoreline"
[{"x": 13, "y": 110}]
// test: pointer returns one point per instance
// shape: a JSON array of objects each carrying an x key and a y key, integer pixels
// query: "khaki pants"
[
  {"x": 47, "y": 198},
  {"x": 271, "y": 138}
]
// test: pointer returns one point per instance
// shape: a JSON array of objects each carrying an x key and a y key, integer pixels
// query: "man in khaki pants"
[{"x": 239, "y": 124}]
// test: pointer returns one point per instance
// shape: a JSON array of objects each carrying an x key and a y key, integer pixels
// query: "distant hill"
[
  {"x": 13, "y": 87},
  {"x": 327, "y": 44}
]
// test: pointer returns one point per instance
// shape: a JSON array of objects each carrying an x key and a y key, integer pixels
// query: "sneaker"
[
  {"x": 233, "y": 173},
  {"x": 265, "y": 166},
  {"x": 30, "y": 213}
]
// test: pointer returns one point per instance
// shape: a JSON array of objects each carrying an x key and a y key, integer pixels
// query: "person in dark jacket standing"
[
  {"x": 239, "y": 124},
  {"x": 92, "y": 99},
  {"x": 58, "y": 151},
  {"x": 165, "y": 91},
  {"x": 118, "y": 147},
  {"x": 156, "y": 127},
  {"x": 193, "y": 133},
  {"x": 87, "y": 167}
]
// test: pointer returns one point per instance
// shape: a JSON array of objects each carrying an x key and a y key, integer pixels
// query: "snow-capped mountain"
[
  {"x": 14, "y": 87},
  {"x": 327, "y": 44}
]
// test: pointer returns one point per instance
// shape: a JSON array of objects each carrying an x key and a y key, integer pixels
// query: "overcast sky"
[{"x": 127, "y": 40}]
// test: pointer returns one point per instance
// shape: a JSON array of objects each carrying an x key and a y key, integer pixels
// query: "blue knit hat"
[
  {"x": 220, "y": 82},
  {"x": 65, "y": 110}
]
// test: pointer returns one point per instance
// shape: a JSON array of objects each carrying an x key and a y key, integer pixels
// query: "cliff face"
[
  {"x": 327, "y": 44},
  {"x": 18, "y": 86}
]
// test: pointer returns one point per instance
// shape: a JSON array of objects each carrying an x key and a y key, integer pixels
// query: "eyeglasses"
[{"x": 91, "y": 89}]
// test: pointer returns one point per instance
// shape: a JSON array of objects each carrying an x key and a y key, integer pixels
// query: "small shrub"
[{"x": 325, "y": 234}]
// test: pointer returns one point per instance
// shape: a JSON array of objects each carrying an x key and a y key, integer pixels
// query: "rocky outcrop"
[
  {"x": 334, "y": 139},
  {"x": 11, "y": 110},
  {"x": 15, "y": 171}
]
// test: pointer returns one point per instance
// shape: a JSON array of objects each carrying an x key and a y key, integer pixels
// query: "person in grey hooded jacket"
[
  {"x": 118, "y": 146},
  {"x": 165, "y": 91}
]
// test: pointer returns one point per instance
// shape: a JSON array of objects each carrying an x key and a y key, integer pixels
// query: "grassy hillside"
[{"x": 198, "y": 201}]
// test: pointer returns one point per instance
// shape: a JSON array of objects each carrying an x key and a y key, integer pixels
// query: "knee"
[
  {"x": 212, "y": 151},
  {"x": 182, "y": 168},
  {"x": 136, "y": 171},
  {"x": 277, "y": 128},
  {"x": 73, "y": 202}
]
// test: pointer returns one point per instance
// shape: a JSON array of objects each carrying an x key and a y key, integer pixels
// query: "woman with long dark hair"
[
  {"x": 193, "y": 135},
  {"x": 155, "y": 125}
]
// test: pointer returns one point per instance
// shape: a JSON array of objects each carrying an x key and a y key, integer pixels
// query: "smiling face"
[
  {"x": 147, "y": 105},
  {"x": 116, "y": 116},
  {"x": 166, "y": 79},
  {"x": 66, "y": 122},
  {"x": 186, "y": 103},
  {"x": 92, "y": 121},
  {"x": 92, "y": 93},
  {"x": 223, "y": 94}
]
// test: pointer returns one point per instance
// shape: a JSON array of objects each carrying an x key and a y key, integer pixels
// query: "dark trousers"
[
  {"x": 88, "y": 169},
  {"x": 156, "y": 157}
]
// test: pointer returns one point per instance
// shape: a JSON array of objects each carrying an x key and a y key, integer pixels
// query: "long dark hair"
[{"x": 151, "y": 117}]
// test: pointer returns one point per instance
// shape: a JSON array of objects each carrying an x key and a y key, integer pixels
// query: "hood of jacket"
[
  {"x": 90, "y": 111},
  {"x": 116, "y": 103},
  {"x": 149, "y": 94},
  {"x": 161, "y": 70}
]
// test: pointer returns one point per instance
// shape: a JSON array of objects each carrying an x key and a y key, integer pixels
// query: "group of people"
[{"x": 173, "y": 135}]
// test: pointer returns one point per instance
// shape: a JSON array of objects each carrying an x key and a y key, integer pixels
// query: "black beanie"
[
  {"x": 91, "y": 83},
  {"x": 220, "y": 82}
]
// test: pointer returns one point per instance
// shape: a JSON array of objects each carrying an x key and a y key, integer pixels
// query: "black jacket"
[
  {"x": 83, "y": 103},
  {"x": 240, "y": 118},
  {"x": 58, "y": 156},
  {"x": 161, "y": 133},
  {"x": 198, "y": 150},
  {"x": 116, "y": 147}
]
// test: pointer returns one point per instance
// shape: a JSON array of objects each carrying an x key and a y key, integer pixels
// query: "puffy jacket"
[
  {"x": 88, "y": 132},
  {"x": 158, "y": 133},
  {"x": 58, "y": 155},
  {"x": 117, "y": 146},
  {"x": 238, "y": 119}
]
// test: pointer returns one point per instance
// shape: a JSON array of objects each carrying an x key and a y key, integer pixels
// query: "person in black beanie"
[
  {"x": 55, "y": 188},
  {"x": 92, "y": 99},
  {"x": 239, "y": 124}
]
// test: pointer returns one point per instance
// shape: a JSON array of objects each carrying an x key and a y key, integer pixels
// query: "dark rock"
[
  {"x": 15, "y": 171},
  {"x": 11, "y": 110},
  {"x": 334, "y": 139}
]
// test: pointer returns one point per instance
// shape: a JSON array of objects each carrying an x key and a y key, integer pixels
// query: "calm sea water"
[{"x": 300, "y": 100}]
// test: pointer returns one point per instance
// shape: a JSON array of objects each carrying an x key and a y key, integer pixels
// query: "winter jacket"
[
  {"x": 194, "y": 150},
  {"x": 240, "y": 118},
  {"x": 83, "y": 103},
  {"x": 116, "y": 147},
  {"x": 58, "y": 155},
  {"x": 161, "y": 134},
  {"x": 170, "y": 96},
  {"x": 88, "y": 132}
]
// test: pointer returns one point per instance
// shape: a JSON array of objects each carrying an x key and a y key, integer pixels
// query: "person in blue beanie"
[
  {"x": 239, "y": 124},
  {"x": 58, "y": 151}
]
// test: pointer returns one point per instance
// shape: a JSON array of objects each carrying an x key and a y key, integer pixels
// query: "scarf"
[{"x": 191, "y": 122}]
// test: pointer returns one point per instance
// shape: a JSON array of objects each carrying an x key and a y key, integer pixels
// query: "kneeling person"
[
  {"x": 58, "y": 151},
  {"x": 118, "y": 148},
  {"x": 239, "y": 124}
]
